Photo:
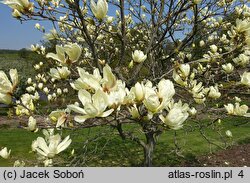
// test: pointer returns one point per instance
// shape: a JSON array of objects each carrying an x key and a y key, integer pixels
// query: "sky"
[{"x": 13, "y": 34}]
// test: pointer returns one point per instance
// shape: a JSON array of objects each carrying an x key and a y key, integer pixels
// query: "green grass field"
[{"x": 108, "y": 149}]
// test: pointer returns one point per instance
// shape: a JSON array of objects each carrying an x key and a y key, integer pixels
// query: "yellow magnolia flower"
[
  {"x": 245, "y": 79},
  {"x": 154, "y": 100},
  {"x": 180, "y": 75},
  {"x": 59, "y": 117},
  {"x": 139, "y": 91},
  {"x": 109, "y": 79},
  {"x": 228, "y": 68},
  {"x": 32, "y": 125},
  {"x": 176, "y": 116},
  {"x": 87, "y": 80},
  {"x": 67, "y": 54},
  {"x": 20, "y": 5},
  {"x": 214, "y": 92},
  {"x": 238, "y": 110},
  {"x": 60, "y": 73},
  {"x": 7, "y": 87},
  {"x": 52, "y": 146},
  {"x": 4, "y": 153},
  {"x": 138, "y": 56},
  {"x": 99, "y": 9},
  {"x": 94, "y": 106},
  {"x": 25, "y": 105}
]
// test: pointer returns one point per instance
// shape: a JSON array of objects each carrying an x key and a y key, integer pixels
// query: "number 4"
[{"x": 241, "y": 174}]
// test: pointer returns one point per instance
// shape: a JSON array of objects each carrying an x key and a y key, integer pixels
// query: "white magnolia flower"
[
  {"x": 94, "y": 106},
  {"x": 99, "y": 9},
  {"x": 228, "y": 68},
  {"x": 245, "y": 79},
  {"x": 176, "y": 116},
  {"x": 138, "y": 56},
  {"x": 7, "y": 87},
  {"x": 4, "y": 153},
  {"x": 54, "y": 145}
]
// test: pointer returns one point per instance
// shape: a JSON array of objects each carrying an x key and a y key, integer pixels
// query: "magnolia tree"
[{"x": 149, "y": 63}]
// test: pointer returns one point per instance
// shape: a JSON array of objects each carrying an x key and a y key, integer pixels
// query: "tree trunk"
[{"x": 149, "y": 150}]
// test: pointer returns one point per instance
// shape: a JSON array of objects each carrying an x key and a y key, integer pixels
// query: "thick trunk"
[{"x": 149, "y": 150}]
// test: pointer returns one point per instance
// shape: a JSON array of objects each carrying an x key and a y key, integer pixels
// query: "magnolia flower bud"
[
  {"x": 37, "y": 26},
  {"x": 65, "y": 90},
  {"x": 202, "y": 43},
  {"x": 213, "y": 48},
  {"x": 40, "y": 86},
  {"x": 17, "y": 163},
  {"x": 59, "y": 91},
  {"x": 192, "y": 111},
  {"x": 46, "y": 90},
  {"x": 50, "y": 97},
  {"x": 229, "y": 133},
  {"x": 37, "y": 67},
  {"x": 139, "y": 91},
  {"x": 29, "y": 81},
  {"x": 131, "y": 64}
]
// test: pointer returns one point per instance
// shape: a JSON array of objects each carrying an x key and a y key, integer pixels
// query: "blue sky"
[{"x": 13, "y": 34}]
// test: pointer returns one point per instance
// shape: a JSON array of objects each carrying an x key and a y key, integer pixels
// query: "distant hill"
[{"x": 9, "y": 51}]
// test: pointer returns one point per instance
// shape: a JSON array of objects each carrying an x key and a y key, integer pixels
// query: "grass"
[{"x": 108, "y": 149}]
